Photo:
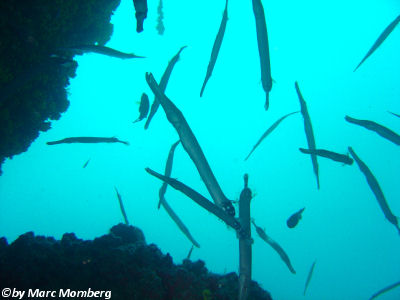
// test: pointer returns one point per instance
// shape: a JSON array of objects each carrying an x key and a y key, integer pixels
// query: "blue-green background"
[{"x": 318, "y": 44}]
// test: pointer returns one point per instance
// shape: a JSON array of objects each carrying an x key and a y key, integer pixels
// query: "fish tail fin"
[{"x": 266, "y": 106}]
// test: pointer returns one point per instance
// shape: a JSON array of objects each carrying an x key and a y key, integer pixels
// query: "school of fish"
[{"x": 220, "y": 205}]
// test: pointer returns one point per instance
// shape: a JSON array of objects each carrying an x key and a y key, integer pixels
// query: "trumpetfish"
[
  {"x": 199, "y": 199},
  {"x": 380, "y": 39},
  {"x": 376, "y": 189},
  {"x": 163, "y": 86},
  {"x": 216, "y": 47},
  {"x": 309, "y": 131},
  {"x": 87, "y": 140},
  {"x": 379, "y": 129},
  {"x": 245, "y": 241},
  {"x": 191, "y": 146},
  {"x": 263, "y": 49},
  {"x": 164, "y": 203}
]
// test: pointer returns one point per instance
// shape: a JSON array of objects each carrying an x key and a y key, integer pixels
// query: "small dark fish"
[
  {"x": 295, "y": 218},
  {"x": 192, "y": 147},
  {"x": 397, "y": 115},
  {"x": 376, "y": 189},
  {"x": 121, "y": 206},
  {"x": 269, "y": 130},
  {"x": 216, "y": 47},
  {"x": 275, "y": 246},
  {"x": 309, "y": 277},
  {"x": 384, "y": 290},
  {"x": 379, "y": 129},
  {"x": 86, "y": 163},
  {"x": 163, "y": 86},
  {"x": 263, "y": 49},
  {"x": 380, "y": 39},
  {"x": 141, "y": 13},
  {"x": 143, "y": 108},
  {"x": 309, "y": 131},
  {"x": 160, "y": 25},
  {"x": 190, "y": 252},
  {"x": 101, "y": 50},
  {"x": 87, "y": 139},
  {"x": 346, "y": 159}
]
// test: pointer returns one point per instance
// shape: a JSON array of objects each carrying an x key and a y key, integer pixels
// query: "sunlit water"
[{"x": 315, "y": 43}]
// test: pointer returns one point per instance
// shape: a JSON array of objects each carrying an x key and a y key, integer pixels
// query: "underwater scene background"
[{"x": 317, "y": 44}]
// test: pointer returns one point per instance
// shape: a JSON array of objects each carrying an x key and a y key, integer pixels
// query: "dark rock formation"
[
  {"x": 120, "y": 262},
  {"x": 32, "y": 79}
]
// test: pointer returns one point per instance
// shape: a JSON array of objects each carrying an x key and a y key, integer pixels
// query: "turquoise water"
[{"x": 317, "y": 44}]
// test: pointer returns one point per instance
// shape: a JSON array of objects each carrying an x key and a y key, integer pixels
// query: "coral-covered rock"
[
  {"x": 119, "y": 262},
  {"x": 33, "y": 80}
]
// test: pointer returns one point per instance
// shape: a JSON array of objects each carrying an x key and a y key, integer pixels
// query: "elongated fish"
[
  {"x": 140, "y": 13},
  {"x": 275, "y": 246},
  {"x": 263, "y": 49},
  {"x": 384, "y": 290},
  {"x": 86, "y": 163},
  {"x": 379, "y": 129},
  {"x": 160, "y": 24},
  {"x": 178, "y": 221},
  {"x": 295, "y": 218},
  {"x": 269, "y": 130},
  {"x": 397, "y": 115},
  {"x": 376, "y": 189},
  {"x": 245, "y": 241},
  {"x": 164, "y": 203},
  {"x": 309, "y": 131},
  {"x": 168, "y": 170},
  {"x": 216, "y": 47},
  {"x": 191, "y": 146},
  {"x": 163, "y": 86},
  {"x": 346, "y": 159},
  {"x": 143, "y": 108},
  {"x": 190, "y": 252},
  {"x": 309, "y": 277},
  {"x": 121, "y": 206},
  {"x": 101, "y": 50},
  {"x": 380, "y": 39},
  {"x": 87, "y": 139},
  {"x": 199, "y": 199}
]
